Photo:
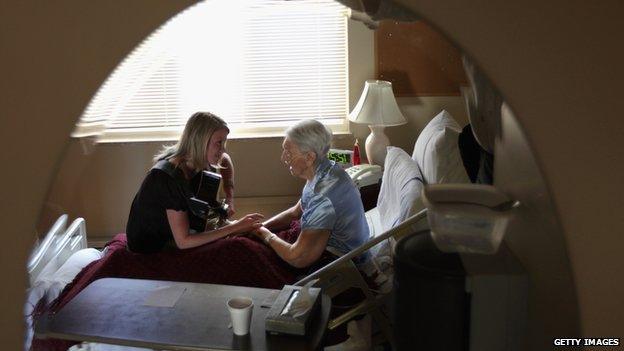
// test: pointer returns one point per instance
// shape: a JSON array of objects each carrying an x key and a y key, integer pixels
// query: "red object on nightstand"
[{"x": 356, "y": 153}]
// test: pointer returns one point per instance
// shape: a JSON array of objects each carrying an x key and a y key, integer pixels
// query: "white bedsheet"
[{"x": 50, "y": 284}]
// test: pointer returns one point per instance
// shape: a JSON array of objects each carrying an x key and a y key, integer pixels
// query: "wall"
[
  {"x": 418, "y": 60},
  {"x": 99, "y": 183}
]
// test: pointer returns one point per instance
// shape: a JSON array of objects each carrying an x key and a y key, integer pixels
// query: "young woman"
[{"x": 160, "y": 216}]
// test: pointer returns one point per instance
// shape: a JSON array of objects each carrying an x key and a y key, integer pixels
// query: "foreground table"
[{"x": 112, "y": 310}]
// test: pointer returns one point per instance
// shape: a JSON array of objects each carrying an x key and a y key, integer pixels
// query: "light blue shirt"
[{"x": 331, "y": 201}]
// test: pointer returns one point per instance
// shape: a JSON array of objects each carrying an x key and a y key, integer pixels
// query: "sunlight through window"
[{"x": 260, "y": 64}]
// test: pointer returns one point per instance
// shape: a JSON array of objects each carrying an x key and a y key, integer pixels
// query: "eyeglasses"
[{"x": 289, "y": 157}]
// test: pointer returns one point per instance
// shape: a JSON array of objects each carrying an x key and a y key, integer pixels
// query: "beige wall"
[{"x": 99, "y": 183}]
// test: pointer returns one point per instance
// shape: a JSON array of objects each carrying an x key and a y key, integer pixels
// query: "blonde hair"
[{"x": 194, "y": 140}]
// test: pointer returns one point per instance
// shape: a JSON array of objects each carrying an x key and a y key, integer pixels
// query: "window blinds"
[{"x": 261, "y": 65}]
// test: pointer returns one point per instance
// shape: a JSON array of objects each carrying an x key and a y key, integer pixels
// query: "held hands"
[{"x": 248, "y": 223}]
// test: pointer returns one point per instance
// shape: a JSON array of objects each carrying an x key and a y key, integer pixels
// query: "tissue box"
[{"x": 277, "y": 322}]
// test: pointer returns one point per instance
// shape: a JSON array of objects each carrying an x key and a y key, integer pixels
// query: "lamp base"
[{"x": 376, "y": 144}]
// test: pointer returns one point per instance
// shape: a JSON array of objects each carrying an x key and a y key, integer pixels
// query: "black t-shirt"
[{"x": 148, "y": 229}]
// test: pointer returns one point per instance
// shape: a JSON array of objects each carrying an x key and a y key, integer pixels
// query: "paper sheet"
[{"x": 164, "y": 296}]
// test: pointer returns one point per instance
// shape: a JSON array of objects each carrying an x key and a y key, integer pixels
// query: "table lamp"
[{"x": 378, "y": 108}]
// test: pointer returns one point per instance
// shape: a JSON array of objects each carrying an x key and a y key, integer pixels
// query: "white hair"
[{"x": 311, "y": 136}]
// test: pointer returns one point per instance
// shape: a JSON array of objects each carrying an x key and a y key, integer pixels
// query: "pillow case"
[
  {"x": 399, "y": 198},
  {"x": 50, "y": 286},
  {"x": 437, "y": 153},
  {"x": 401, "y": 185}
]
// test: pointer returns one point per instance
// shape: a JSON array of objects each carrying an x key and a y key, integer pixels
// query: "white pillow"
[
  {"x": 399, "y": 198},
  {"x": 401, "y": 186},
  {"x": 75, "y": 263},
  {"x": 437, "y": 153},
  {"x": 50, "y": 286}
]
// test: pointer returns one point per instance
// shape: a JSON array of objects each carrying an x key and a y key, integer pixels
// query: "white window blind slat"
[{"x": 259, "y": 64}]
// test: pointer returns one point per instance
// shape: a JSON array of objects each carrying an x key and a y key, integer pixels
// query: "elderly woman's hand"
[{"x": 248, "y": 223}]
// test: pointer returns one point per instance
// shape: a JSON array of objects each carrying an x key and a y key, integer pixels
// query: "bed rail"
[
  {"x": 342, "y": 274},
  {"x": 46, "y": 248},
  {"x": 75, "y": 239},
  {"x": 406, "y": 227},
  {"x": 58, "y": 249}
]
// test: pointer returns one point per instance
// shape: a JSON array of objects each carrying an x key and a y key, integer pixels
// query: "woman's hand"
[{"x": 248, "y": 223}]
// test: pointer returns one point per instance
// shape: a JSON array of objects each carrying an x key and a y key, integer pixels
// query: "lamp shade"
[{"x": 377, "y": 106}]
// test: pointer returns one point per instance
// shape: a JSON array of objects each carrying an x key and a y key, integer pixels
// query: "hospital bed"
[{"x": 63, "y": 256}]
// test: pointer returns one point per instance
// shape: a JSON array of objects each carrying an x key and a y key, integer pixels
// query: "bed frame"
[{"x": 57, "y": 246}]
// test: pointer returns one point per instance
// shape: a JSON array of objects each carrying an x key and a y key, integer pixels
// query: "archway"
[{"x": 541, "y": 62}]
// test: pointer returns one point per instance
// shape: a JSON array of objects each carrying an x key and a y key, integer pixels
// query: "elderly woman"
[{"x": 330, "y": 209}]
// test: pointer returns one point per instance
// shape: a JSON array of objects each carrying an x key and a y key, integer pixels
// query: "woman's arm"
[
  {"x": 227, "y": 174},
  {"x": 306, "y": 250},
  {"x": 179, "y": 223},
  {"x": 282, "y": 220}
]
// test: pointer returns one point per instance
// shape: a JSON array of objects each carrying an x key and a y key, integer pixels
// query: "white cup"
[{"x": 240, "y": 312}]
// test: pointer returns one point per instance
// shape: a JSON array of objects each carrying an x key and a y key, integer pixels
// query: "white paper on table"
[{"x": 164, "y": 296}]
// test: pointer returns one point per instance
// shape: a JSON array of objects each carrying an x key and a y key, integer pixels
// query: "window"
[{"x": 259, "y": 64}]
